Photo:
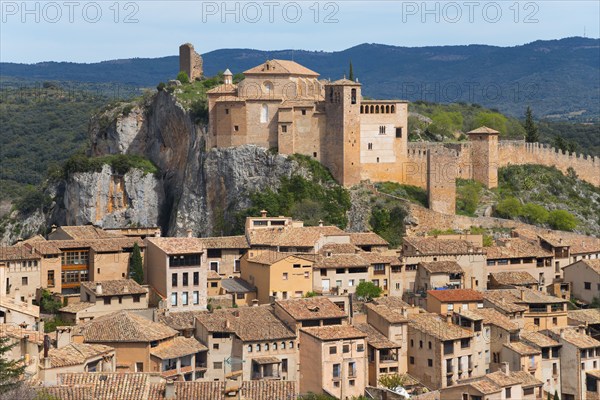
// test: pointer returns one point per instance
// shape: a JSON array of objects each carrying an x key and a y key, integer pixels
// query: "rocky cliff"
[{"x": 194, "y": 188}]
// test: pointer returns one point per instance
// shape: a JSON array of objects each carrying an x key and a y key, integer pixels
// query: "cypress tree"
[
  {"x": 351, "y": 72},
  {"x": 10, "y": 370},
  {"x": 136, "y": 267},
  {"x": 531, "y": 131}
]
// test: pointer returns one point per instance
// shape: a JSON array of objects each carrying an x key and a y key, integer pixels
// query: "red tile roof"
[{"x": 452, "y": 295}]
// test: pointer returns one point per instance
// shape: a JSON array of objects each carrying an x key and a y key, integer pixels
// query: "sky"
[{"x": 92, "y": 31}]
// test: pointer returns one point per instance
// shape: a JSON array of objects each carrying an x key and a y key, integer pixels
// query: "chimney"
[
  {"x": 255, "y": 303},
  {"x": 449, "y": 318},
  {"x": 157, "y": 233},
  {"x": 263, "y": 213},
  {"x": 53, "y": 228},
  {"x": 98, "y": 288},
  {"x": 404, "y": 312},
  {"x": 320, "y": 222},
  {"x": 505, "y": 368},
  {"x": 522, "y": 294},
  {"x": 46, "y": 346},
  {"x": 125, "y": 289},
  {"x": 170, "y": 389},
  {"x": 189, "y": 232},
  {"x": 562, "y": 333}
]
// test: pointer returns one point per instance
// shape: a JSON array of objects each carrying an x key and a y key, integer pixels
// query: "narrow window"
[
  {"x": 353, "y": 96},
  {"x": 264, "y": 113}
]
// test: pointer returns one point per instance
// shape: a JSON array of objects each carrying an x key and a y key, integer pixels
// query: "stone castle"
[{"x": 283, "y": 105}]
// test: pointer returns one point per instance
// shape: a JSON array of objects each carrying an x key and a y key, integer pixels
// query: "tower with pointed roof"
[{"x": 484, "y": 155}]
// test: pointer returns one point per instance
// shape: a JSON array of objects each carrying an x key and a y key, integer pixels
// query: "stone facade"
[{"x": 190, "y": 62}]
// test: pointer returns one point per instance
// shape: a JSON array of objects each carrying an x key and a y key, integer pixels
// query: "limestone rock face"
[{"x": 110, "y": 201}]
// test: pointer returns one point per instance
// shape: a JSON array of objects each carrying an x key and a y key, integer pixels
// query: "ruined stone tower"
[
  {"x": 190, "y": 62},
  {"x": 442, "y": 171},
  {"x": 342, "y": 136},
  {"x": 484, "y": 155}
]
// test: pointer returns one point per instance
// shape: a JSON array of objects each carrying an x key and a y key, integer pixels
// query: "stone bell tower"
[{"x": 484, "y": 156}]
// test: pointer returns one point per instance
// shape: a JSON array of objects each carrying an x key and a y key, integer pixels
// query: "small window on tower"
[
  {"x": 236, "y": 128},
  {"x": 303, "y": 112},
  {"x": 284, "y": 128},
  {"x": 353, "y": 96},
  {"x": 398, "y": 132},
  {"x": 370, "y": 146},
  {"x": 227, "y": 111}
]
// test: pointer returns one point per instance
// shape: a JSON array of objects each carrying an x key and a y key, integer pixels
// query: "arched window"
[
  {"x": 362, "y": 109},
  {"x": 268, "y": 86},
  {"x": 331, "y": 95},
  {"x": 387, "y": 109},
  {"x": 264, "y": 113},
  {"x": 377, "y": 109},
  {"x": 366, "y": 109},
  {"x": 393, "y": 109},
  {"x": 372, "y": 109},
  {"x": 353, "y": 96}
]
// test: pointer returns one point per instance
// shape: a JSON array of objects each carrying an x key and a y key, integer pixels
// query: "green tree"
[
  {"x": 563, "y": 144},
  {"x": 392, "y": 381},
  {"x": 136, "y": 267},
  {"x": 48, "y": 303},
  {"x": 531, "y": 130},
  {"x": 351, "y": 72},
  {"x": 535, "y": 214},
  {"x": 11, "y": 371},
  {"x": 509, "y": 207},
  {"x": 183, "y": 77},
  {"x": 556, "y": 395},
  {"x": 492, "y": 120},
  {"x": 562, "y": 220},
  {"x": 368, "y": 291},
  {"x": 445, "y": 123}
]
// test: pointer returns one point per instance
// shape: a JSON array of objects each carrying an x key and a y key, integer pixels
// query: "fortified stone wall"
[
  {"x": 442, "y": 170},
  {"x": 587, "y": 168},
  {"x": 190, "y": 62}
]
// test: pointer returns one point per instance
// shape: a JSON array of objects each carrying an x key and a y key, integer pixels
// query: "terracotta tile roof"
[
  {"x": 16, "y": 332},
  {"x": 84, "y": 232},
  {"x": 178, "y": 245},
  {"x": 516, "y": 248},
  {"x": 484, "y": 386},
  {"x": 311, "y": 308},
  {"x": 572, "y": 336},
  {"x": 502, "y": 379},
  {"x": 380, "y": 258},
  {"x": 281, "y": 67},
  {"x": 516, "y": 278},
  {"x": 505, "y": 302},
  {"x": 18, "y": 252},
  {"x": 98, "y": 245},
  {"x": 590, "y": 315},
  {"x": 367, "y": 239},
  {"x": 376, "y": 338},
  {"x": 225, "y": 242},
  {"x": 266, "y": 360},
  {"x": 114, "y": 288},
  {"x": 579, "y": 244},
  {"x": 178, "y": 347},
  {"x": 433, "y": 395},
  {"x": 65, "y": 392},
  {"x": 269, "y": 390},
  {"x": 179, "y": 320},
  {"x": 522, "y": 348},
  {"x": 36, "y": 238},
  {"x": 526, "y": 379},
  {"x": 339, "y": 248},
  {"x": 435, "y": 246},
  {"x": 491, "y": 316},
  {"x": 212, "y": 275},
  {"x": 435, "y": 326},
  {"x": 223, "y": 88},
  {"x": 484, "y": 129},
  {"x": 391, "y": 301},
  {"x": 537, "y": 339},
  {"x": 123, "y": 326},
  {"x": 341, "y": 261},
  {"x": 306, "y": 236},
  {"x": 595, "y": 373},
  {"x": 442, "y": 267},
  {"x": 202, "y": 390},
  {"x": 109, "y": 385},
  {"x": 529, "y": 296},
  {"x": 248, "y": 323},
  {"x": 391, "y": 314},
  {"x": 334, "y": 332},
  {"x": 270, "y": 257},
  {"x": 74, "y": 308},
  {"x": 75, "y": 354},
  {"x": 237, "y": 285},
  {"x": 452, "y": 295}
]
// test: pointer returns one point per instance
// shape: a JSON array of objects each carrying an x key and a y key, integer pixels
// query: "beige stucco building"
[
  {"x": 584, "y": 277},
  {"x": 337, "y": 358}
]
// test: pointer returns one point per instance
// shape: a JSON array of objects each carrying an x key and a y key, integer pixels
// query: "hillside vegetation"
[{"x": 537, "y": 195}]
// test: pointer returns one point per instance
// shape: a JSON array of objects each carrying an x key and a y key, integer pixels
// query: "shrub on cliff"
[
  {"x": 562, "y": 220},
  {"x": 510, "y": 207},
  {"x": 120, "y": 164},
  {"x": 183, "y": 77}
]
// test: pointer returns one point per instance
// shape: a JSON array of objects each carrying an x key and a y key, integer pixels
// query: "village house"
[
  {"x": 383, "y": 355},
  {"x": 584, "y": 277},
  {"x": 522, "y": 357},
  {"x": 550, "y": 363},
  {"x": 337, "y": 358},
  {"x": 491, "y": 332},
  {"x": 579, "y": 355},
  {"x": 439, "y": 275},
  {"x": 446, "y": 301},
  {"x": 308, "y": 312},
  {"x": 249, "y": 341},
  {"x": 13, "y": 308},
  {"x": 439, "y": 352},
  {"x": 538, "y": 310},
  {"x": 223, "y": 254},
  {"x": 368, "y": 241},
  {"x": 468, "y": 254},
  {"x": 81, "y": 232},
  {"x": 76, "y": 357},
  {"x": 101, "y": 298},
  {"x": 520, "y": 255},
  {"x": 142, "y": 345},
  {"x": 21, "y": 271},
  {"x": 277, "y": 275},
  {"x": 177, "y": 269},
  {"x": 499, "y": 385},
  {"x": 25, "y": 343},
  {"x": 241, "y": 292}
]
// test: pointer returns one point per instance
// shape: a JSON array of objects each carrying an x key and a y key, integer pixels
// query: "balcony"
[
  {"x": 270, "y": 376},
  {"x": 388, "y": 358}
]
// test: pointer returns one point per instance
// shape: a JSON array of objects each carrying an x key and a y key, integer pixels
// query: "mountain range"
[{"x": 559, "y": 79}]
